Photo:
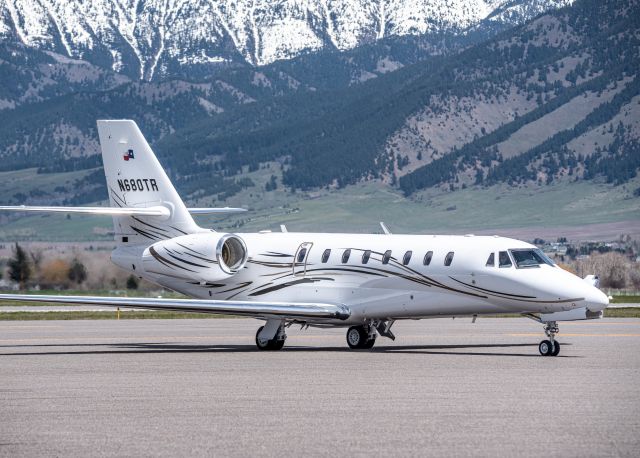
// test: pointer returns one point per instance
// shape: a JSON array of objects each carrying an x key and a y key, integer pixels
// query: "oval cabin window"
[{"x": 448, "y": 259}]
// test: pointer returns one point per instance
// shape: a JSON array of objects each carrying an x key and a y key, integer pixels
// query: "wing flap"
[{"x": 294, "y": 310}]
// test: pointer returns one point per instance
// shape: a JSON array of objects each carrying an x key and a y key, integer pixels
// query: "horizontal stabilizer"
[
  {"x": 159, "y": 211},
  {"x": 206, "y": 211},
  {"x": 293, "y": 310}
]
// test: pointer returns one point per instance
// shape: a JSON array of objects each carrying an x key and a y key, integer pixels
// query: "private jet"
[{"x": 364, "y": 283}]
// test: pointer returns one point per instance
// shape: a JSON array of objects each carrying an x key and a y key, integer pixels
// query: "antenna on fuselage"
[{"x": 385, "y": 229}]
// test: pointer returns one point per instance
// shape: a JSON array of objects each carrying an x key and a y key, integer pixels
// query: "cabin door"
[{"x": 300, "y": 259}]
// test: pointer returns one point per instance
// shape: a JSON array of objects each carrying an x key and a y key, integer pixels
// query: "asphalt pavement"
[{"x": 200, "y": 387}]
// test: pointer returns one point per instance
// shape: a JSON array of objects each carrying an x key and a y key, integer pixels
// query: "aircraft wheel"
[
  {"x": 358, "y": 337},
  {"x": 273, "y": 344},
  {"x": 556, "y": 348},
  {"x": 545, "y": 348},
  {"x": 369, "y": 343}
]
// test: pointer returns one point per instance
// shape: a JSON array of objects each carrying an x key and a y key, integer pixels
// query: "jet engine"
[{"x": 205, "y": 257}]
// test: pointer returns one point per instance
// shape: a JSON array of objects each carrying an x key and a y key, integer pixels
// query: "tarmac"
[{"x": 200, "y": 387}]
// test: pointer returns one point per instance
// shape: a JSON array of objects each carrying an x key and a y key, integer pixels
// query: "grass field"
[
  {"x": 357, "y": 208},
  {"x": 625, "y": 300}
]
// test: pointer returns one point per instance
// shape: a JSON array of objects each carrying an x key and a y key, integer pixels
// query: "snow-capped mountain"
[{"x": 150, "y": 39}]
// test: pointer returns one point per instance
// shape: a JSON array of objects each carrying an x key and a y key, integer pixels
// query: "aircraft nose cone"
[{"x": 596, "y": 300}]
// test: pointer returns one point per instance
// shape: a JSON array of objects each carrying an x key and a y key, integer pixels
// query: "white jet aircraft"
[{"x": 362, "y": 282}]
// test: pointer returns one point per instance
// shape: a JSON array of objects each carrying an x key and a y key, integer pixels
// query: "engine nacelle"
[{"x": 206, "y": 257}]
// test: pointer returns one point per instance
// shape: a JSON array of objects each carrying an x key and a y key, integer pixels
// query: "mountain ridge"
[
  {"x": 155, "y": 39},
  {"x": 550, "y": 102}
]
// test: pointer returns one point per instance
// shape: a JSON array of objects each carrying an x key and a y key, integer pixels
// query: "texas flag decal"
[{"x": 128, "y": 155}]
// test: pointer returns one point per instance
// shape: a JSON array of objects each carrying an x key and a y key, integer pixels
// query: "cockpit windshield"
[{"x": 530, "y": 258}]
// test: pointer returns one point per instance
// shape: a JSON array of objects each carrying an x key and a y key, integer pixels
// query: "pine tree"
[
  {"x": 132, "y": 282},
  {"x": 77, "y": 271},
  {"x": 19, "y": 269}
]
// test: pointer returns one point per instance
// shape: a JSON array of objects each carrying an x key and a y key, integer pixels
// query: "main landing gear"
[
  {"x": 364, "y": 336},
  {"x": 361, "y": 337},
  {"x": 271, "y": 336},
  {"x": 550, "y": 347}
]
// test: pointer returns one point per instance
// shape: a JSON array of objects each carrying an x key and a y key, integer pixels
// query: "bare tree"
[{"x": 611, "y": 267}]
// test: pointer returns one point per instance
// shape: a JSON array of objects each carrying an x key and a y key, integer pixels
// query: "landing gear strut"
[
  {"x": 271, "y": 336},
  {"x": 550, "y": 347}
]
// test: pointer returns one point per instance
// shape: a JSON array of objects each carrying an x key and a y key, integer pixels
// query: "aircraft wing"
[
  {"x": 160, "y": 211},
  {"x": 292, "y": 310}
]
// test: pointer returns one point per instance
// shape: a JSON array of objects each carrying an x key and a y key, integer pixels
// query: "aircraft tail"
[{"x": 135, "y": 179}]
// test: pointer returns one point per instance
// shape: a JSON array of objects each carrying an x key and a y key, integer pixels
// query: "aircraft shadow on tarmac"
[{"x": 132, "y": 348}]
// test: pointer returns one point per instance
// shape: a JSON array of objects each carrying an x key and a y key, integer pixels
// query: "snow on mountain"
[{"x": 150, "y": 38}]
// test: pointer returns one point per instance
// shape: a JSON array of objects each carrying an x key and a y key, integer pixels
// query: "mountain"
[
  {"x": 156, "y": 39},
  {"x": 555, "y": 98},
  {"x": 549, "y": 104}
]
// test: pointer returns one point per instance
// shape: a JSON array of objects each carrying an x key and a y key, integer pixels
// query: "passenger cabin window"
[
  {"x": 386, "y": 256},
  {"x": 504, "y": 260},
  {"x": 365, "y": 256},
  {"x": 345, "y": 256},
  {"x": 427, "y": 258},
  {"x": 301, "y": 254},
  {"x": 490, "y": 261},
  {"x": 325, "y": 255},
  {"x": 448, "y": 259},
  {"x": 530, "y": 258},
  {"x": 407, "y": 258}
]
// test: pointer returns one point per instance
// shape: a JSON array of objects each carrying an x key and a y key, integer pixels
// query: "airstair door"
[{"x": 300, "y": 259}]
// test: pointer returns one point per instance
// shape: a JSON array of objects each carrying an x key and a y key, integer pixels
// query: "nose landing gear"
[{"x": 550, "y": 347}]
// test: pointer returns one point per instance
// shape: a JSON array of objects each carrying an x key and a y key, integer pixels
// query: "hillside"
[
  {"x": 542, "y": 109},
  {"x": 558, "y": 82}
]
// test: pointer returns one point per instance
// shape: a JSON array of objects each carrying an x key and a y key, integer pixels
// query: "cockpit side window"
[
  {"x": 504, "y": 260},
  {"x": 490, "y": 261},
  {"x": 530, "y": 258}
]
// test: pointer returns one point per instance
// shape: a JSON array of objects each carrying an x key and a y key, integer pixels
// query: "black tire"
[
  {"x": 556, "y": 348},
  {"x": 357, "y": 337},
  {"x": 369, "y": 343},
  {"x": 545, "y": 348},
  {"x": 258, "y": 344},
  {"x": 273, "y": 344}
]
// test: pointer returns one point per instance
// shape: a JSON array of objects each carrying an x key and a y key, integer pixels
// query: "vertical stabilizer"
[{"x": 136, "y": 179}]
